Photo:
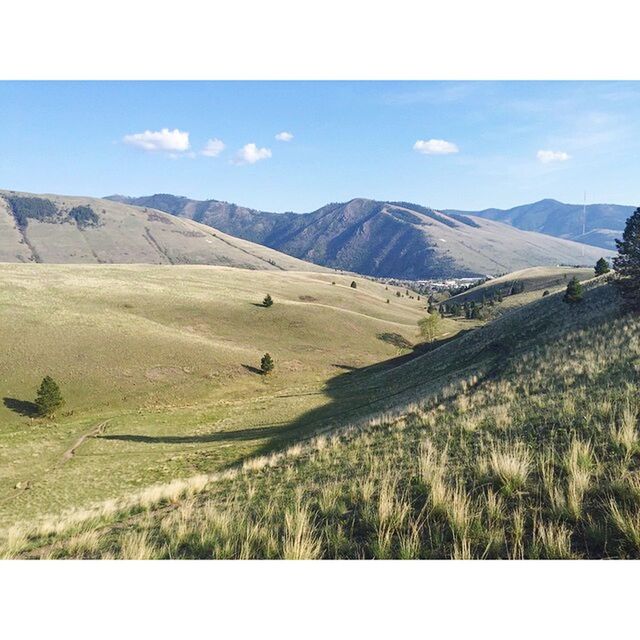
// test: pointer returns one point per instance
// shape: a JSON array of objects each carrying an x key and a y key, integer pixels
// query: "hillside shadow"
[
  {"x": 351, "y": 394},
  {"x": 258, "y": 433},
  {"x": 21, "y": 407}
]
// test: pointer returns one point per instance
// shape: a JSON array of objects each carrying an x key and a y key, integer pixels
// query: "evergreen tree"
[
  {"x": 602, "y": 267},
  {"x": 268, "y": 301},
  {"x": 627, "y": 262},
  {"x": 574, "y": 293},
  {"x": 49, "y": 397},
  {"x": 266, "y": 364}
]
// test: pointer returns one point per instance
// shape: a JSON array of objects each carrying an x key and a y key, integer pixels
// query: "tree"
[
  {"x": 266, "y": 364},
  {"x": 268, "y": 301},
  {"x": 353, "y": 284},
  {"x": 602, "y": 267},
  {"x": 573, "y": 294},
  {"x": 49, "y": 397},
  {"x": 627, "y": 262},
  {"x": 429, "y": 326}
]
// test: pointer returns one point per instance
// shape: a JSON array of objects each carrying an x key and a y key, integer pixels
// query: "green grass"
[
  {"x": 518, "y": 440},
  {"x": 167, "y": 356}
]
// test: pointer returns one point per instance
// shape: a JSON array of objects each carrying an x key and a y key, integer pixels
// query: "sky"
[{"x": 295, "y": 146}]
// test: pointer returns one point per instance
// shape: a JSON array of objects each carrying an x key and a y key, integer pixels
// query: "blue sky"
[{"x": 466, "y": 145}]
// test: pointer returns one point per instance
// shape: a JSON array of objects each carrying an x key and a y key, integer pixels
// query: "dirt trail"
[{"x": 96, "y": 431}]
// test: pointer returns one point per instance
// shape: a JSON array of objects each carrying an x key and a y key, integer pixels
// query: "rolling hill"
[
  {"x": 603, "y": 224},
  {"x": 384, "y": 239},
  {"x": 164, "y": 361},
  {"x": 66, "y": 229},
  {"x": 519, "y": 440}
]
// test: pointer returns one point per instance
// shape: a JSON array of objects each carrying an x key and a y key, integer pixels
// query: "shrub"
[
  {"x": 429, "y": 326},
  {"x": 268, "y": 301},
  {"x": 545, "y": 293},
  {"x": 353, "y": 284},
  {"x": 574, "y": 293},
  {"x": 266, "y": 364},
  {"x": 602, "y": 267},
  {"x": 49, "y": 397}
]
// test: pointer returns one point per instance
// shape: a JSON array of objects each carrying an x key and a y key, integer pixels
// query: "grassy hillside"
[
  {"x": 386, "y": 239},
  {"x": 162, "y": 361},
  {"x": 534, "y": 282},
  {"x": 518, "y": 440},
  {"x": 64, "y": 229}
]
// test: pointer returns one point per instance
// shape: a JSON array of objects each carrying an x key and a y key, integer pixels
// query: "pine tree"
[
  {"x": 266, "y": 364},
  {"x": 627, "y": 262},
  {"x": 602, "y": 267},
  {"x": 268, "y": 301},
  {"x": 573, "y": 295},
  {"x": 49, "y": 397}
]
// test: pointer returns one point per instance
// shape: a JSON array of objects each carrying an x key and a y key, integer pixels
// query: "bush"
[
  {"x": 429, "y": 327},
  {"x": 545, "y": 293},
  {"x": 602, "y": 267},
  {"x": 574, "y": 292},
  {"x": 267, "y": 364},
  {"x": 268, "y": 301},
  {"x": 49, "y": 397},
  {"x": 353, "y": 284}
]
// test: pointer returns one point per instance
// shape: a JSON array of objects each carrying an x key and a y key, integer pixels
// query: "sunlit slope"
[
  {"x": 168, "y": 355},
  {"x": 121, "y": 233},
  {"x": 535, "y": 281},
  {"x": 533, "y": 456}
]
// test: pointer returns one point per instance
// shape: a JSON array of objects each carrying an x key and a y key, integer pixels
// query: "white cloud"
[
  {"x": 546, "y": 156},
  {"x": 435, "y": 147},
  {"x": 213, "y": 148},
  {"x": 163, "y": 140},
  {"x": 284, "y": 136},
  {"x": 250, "y": 154}
]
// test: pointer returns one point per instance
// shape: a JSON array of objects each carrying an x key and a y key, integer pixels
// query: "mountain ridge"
[
  {"x": 384, "y": 238},
  {"x": 603, "y": 223}
]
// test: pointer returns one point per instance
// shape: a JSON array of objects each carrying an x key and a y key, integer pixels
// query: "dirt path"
[{"x": 96, "y": 431}]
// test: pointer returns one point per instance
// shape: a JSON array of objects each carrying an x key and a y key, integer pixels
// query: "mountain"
[
  {"x": 602, "y": 225},
  {"x": 66, "y": 229},
  {"x": 384, "y": 239}
]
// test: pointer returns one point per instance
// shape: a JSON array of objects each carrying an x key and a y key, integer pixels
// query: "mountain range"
[
  {"x": 385, "y": 239},
  {"x": 596, "y": 224}
]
